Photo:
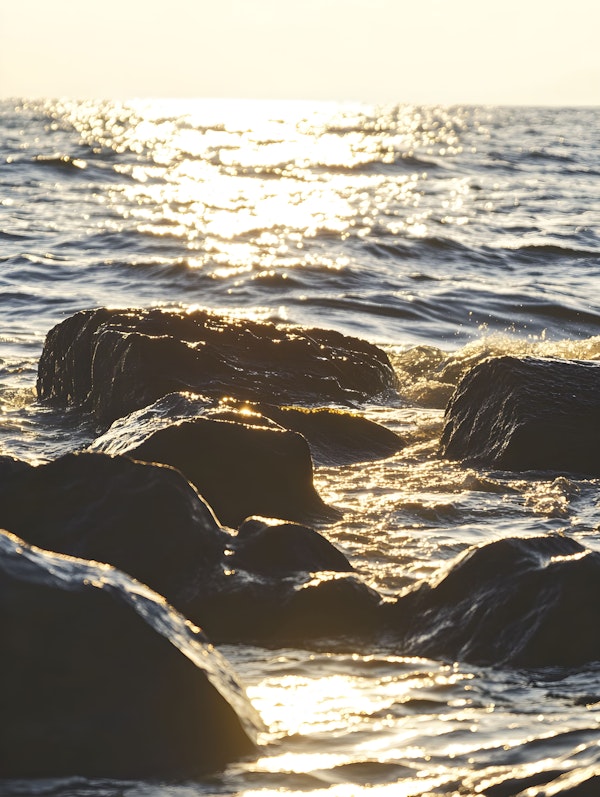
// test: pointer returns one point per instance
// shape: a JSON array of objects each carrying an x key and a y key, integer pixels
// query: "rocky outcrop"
[
  {"x": 527, "y": 414},
  {"x": 100, "y": 677},
  {"x": 148, "y": 521},
  {"x": 238, "y": 468},
  {"x": 516, "y": 602},
  {"x": 529, "y": 602},
  {"x": 112, "y": 362}
]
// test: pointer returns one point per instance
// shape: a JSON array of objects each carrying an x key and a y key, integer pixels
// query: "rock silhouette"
[{"x": 100, "y": 677}]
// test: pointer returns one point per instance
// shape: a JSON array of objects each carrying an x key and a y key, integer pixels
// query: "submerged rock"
[
  {"x": 529, "y": 602},
  {"x": 527, "y": 414},
  {"x": 239, "y": 469},
  {"x": 99, "y": 677},
  {"x": 112, "y": 362}
]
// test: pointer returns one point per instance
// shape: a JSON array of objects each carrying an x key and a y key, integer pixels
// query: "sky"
[{"x": 540, "y": 52}]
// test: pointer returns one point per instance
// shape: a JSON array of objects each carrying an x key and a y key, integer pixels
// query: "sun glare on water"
[{"x": 314, "y": 170}]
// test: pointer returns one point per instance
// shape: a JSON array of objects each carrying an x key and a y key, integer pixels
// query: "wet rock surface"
[
  {"x": 100, "y": 677},
  {"x": 270, "y": 548},
  {"x": 238, "y": 468},
  {"x": 517, "y": 602},
  {"x": 275, "y": 581},
  {"x": 529, "y": 602},
  {"x": 527, "y": 414},
  {"x": 144, "y": 519},
  {"x": 112, "y": 362},
  {"x": 336, "y": 437},
  {"x": 148, "y": 521}
]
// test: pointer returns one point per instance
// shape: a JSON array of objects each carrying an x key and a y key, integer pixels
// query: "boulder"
[
  {"x": 334, "y": 436},
  {"x": 238, "y": 468},
  {"x": 527, "y": 414},
  {"x": 252, "y": 597},
  {"x": 267, "y": 547},
  {"x": 112, "y": 362},
  {"x": 148, "y": 521},
  {"x": 99, "y": 677},
  {"x": 529, "y": 602},
  {"x": 144, "y": 519},
  {"x": 335, "y": 607},
  {"x": 296, "y": 609}
]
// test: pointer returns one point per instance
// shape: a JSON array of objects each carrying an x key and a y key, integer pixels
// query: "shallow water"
[{"x": 443, "y": 234}]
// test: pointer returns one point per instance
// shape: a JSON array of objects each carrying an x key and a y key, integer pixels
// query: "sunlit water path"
[{"x": 444, "y": 235}]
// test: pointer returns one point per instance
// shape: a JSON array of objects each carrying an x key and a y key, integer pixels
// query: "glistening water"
[{"x": 443, "y": 234}]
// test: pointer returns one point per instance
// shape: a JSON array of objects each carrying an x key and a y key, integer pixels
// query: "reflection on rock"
[
  {"x": 527, "y": 414},
  {"x": 239, "y": 469},
  {"x": 336, "y": 437},
  {"x": 529, "y": 602},
  {"x": 112, "y": 362}
]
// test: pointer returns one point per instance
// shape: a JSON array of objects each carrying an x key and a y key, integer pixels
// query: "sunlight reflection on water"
[{"x": 447, "y": 235}]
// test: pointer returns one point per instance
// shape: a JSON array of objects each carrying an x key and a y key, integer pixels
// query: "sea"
[{"x": 443, "y": 234}]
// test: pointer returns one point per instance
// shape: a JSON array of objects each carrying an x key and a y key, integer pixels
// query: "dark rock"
[
  {"x": 10, "y": 466},
  {"x": 112, "y": 362},
  {"x": 239, "y": 469},
  {"x": 328, "y": 607},
  {"x": 336, "y": 437},
  {"x": 269, "y": 548},
  {"x": 333, "y": 607},
  {"x": 527, "y": 414},
  {"x": 144, "y": 519},
  {"x": 253, "y": 597},
  {"x": 529, "y": 602},
  {"x": 148, "y": 521},
  {"x": 99, "y": 677}
]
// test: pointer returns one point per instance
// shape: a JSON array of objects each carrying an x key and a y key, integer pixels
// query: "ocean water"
[{"x": 443, "y": 234}]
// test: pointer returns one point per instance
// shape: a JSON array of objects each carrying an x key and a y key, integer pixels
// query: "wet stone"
[
  {"x": 527, "y": 414},
  {"x": 238, "y": 468},
  {"x": 112, "y": 362},
  {"x": 528, "y": 602},
  {"x": 99, "y": 677}
]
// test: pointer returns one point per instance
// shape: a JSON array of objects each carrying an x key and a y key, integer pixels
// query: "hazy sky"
[{"x": 425, "y": 51}]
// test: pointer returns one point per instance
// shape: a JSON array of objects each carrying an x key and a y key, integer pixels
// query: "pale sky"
[{"x": 542, "y": 52}]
